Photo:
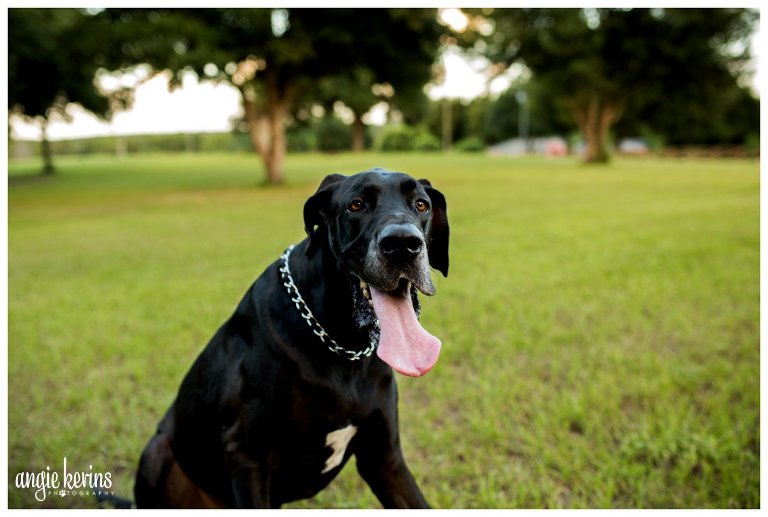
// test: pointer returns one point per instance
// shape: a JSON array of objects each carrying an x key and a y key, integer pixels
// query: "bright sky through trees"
[{"x": 156, "y": 110}]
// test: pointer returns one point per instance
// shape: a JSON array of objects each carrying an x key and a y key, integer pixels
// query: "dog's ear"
[
  {"x": 314, "y": 209},
  {"x": 439, "y": 232}
]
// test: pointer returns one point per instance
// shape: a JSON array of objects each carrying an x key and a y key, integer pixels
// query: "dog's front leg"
[
  {"x": 250, "y": 480},
  {"x": 392, "y": 482},
  {"x": 380, "y": 463},
  {"x": 250, "y": 487}
]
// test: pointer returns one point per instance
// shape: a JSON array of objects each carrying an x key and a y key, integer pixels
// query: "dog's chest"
[{"x": 338, "y": 441}]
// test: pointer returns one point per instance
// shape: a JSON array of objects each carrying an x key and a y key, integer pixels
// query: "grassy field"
[{"x": 600, "y": 325}]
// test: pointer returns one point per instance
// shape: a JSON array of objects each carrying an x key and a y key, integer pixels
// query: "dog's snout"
[{"x": 401, "y": 241}]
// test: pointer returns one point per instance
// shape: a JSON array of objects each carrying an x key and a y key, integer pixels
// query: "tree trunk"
[
  {"x": 46, "y": 148},
  {"x": 358, "y": 134},
  {"x": 594, "y": 118},
  {"x": 276, "y": 154},
  {"x": 266, "y": 130}
]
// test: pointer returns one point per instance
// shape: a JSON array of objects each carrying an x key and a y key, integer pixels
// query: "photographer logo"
[{"x": 67, "y": 483}]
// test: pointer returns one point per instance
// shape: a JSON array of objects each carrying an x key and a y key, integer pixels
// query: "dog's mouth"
[{"x": 403, "y": 342}]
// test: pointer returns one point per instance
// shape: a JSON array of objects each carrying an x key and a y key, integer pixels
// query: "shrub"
[
  {"x": 333, "y": 135},
  {"x": 654, "y": 140},
  {"x": 398, "y": 137},
  {"x": 425, "y": 141},
  {"x": 301, "y": 139},
  {"x": 752, "y": 143},
  {"x": 471, "y": 144}
]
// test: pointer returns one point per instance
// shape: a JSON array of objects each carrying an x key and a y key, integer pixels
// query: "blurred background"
[
  {"x": 601, "y": 320},
  {"x": 544, "y": 81}
]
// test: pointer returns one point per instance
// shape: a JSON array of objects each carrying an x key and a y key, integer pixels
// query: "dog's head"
[{"x": 387, "y": 229}]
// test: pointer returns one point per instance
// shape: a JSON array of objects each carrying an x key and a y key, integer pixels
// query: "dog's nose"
[{"x": 400, "y": 241}]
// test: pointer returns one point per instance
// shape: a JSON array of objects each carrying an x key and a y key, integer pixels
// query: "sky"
[
  {"x": 198, "y": 106},
  {"x": 204, "y": 106}
]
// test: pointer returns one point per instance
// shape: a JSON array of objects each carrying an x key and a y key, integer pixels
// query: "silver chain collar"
[{"x": 306, "y": 313}]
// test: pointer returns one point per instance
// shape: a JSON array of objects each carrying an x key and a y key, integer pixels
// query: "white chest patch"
[{"x": 338, "y": 441}]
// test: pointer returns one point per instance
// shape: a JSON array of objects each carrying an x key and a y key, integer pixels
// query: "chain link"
[{"x": 306, "y": 314}]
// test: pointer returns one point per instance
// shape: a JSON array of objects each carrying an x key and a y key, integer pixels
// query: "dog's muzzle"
[
  {"x": 397, "y": 257},
  {"x": 401, "y": 243}
]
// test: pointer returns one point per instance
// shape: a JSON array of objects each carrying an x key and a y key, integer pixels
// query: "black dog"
[{"x": 289, "y": 388}]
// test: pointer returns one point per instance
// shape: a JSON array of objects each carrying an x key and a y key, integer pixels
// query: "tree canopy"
[
  {"x": 52, "y": 61},
  {"x": 276, "y": 56},
  {"x": 600, "y": 62}
]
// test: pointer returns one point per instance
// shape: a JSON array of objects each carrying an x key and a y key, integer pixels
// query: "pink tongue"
[{"x": 404, "y": 344}]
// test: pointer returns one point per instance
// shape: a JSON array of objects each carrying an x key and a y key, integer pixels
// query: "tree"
[
  {"x": 716, "y": 112},
  {"x": 359, "y": 91},
  {"x": 545, "y": 117},
  {"x": 274, "y": 57},
  {"x": 394, "y": 72},
  {"x": 353, "y": 87},
  {"x": 448, "y": 119},
  {"x": 51, "y": 63},
  {"x": 599, "y": 62}
]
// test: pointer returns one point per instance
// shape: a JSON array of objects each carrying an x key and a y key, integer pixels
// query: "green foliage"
[
  {"x": 601, "y": 329},
  {"x": 333, "y": 134},
  {"x": 218, "y": 142},
  {"x": 495, "y": 120},
  {"x": 282, "y": 59},
  {"x": 353, "y": 87},
  {"x": 396, "y": 137},
  {"x": 394, "y": 73},
  {"x": 752, "y": 143},
  {"x": 654, "y": 140},
  {"x": 675, "y": 69},
  {"x": 477, "y": 112},
  {"x": 53, "y": 56},
  {"x": 301, "y": 139},
  {"x": 402, "y": 137},
  {"x": 502, "y": 118},
  {"x": 700, "y": 116},
  {"x": 618, "y": 54},
  {"x": 471, "y": 144},
  {"x": 52, "y": 60},
  {"x": 545, "y": 115},
  {"x": 423, "y": 140},
  {"x": 458, "y": 114}
]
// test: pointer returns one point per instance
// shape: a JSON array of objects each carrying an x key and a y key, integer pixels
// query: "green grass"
[{"x": 600, "y": 325}]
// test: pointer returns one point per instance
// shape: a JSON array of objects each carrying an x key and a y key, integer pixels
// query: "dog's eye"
[
  {"x": 422, "y": 205},
  {"x": 355, "y": 206}
]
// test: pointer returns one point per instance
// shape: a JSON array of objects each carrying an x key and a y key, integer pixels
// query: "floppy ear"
[
  {"x": 438, "y": 234},
  {"x": 314, "y": 219}
]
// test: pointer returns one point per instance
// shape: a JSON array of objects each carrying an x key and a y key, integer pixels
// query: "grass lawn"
[{"x": 600, "y": 325}]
